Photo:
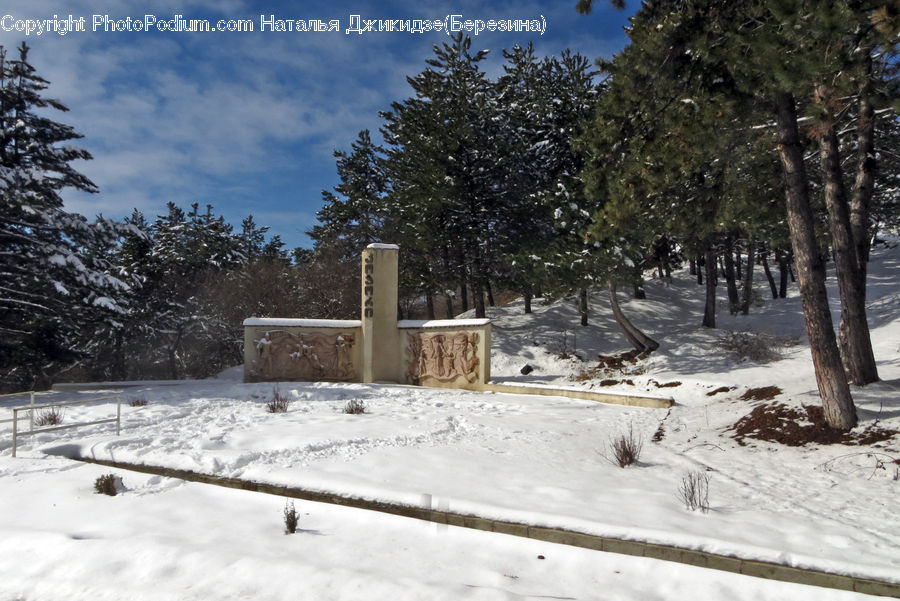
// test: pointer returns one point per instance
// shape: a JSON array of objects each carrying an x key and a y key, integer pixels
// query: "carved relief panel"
[
  {"x": 443, "y": 357},
  {"x": 310, "y": 356}
]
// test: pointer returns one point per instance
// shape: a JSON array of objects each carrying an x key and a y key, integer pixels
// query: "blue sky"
[{"x": 248, "y": 121}]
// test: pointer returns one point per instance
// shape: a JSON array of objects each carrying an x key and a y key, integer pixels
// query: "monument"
[
  {"x": 376, "y": 348},
  {"x": 452, "y": 353}
]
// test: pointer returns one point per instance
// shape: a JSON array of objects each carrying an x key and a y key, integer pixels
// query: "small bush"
[
  {"x": 138, "y": 402},
  {"x": 694, "y": 491},
  {"x": 279, "y": 402},
  {"x": 355, "y": 407},
  {"x": 626, "y": 449},
  {"x": 107, "y": 485},
  {"x": 291, "y": 517},
  {"x": 49, "y": 417},
  {"x": 755, "y": 346}
]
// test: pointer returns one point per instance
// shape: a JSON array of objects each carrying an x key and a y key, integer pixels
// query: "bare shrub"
[
  {"x": 141, "y": 402},
  {"x": 355, "y": 407},
  {"x": 755, "y": 346},
  {"x": 626, "y": 449},
  {"x": 279, "y": 402},
  {"x": 107, "y": 484},
  {"x": 52, "y": 416},
  {"x": 291, "y": 517},
  {"x": 694, "y": 491},
  {"x": 563, "y": 347}
]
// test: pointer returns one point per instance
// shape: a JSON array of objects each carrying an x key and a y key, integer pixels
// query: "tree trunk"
[
  {"x": 768, "y": 271},
  {"x": 478, "y": 299},
  {"x": 640, "y": 341},
  {"x": 173, "y": 356},
  {"x": 747, "y": 295},
  {"x": 837, "y": 403},
  {"x": 448, "y": 297},
  {"x": 709, "y": 311},
  {"x": 738, "y": 267},
  {"x": 701, "y": 266},
  {"x": 855, "y": 342},
  {"x": 639, "y": 292},
  {"x": 464, "y": 297},
  {"x": 783, "y": 269},
  {"x": 490, "y": 293},
  {"x": 583, "y": 305},
  {"x": 527, "y": 293},
  {"x": 730, "y": 281},
  {"x": 692, "y": 267},
  {"x": 429, "y": 305},
  {"x": 864, "y": 186}
]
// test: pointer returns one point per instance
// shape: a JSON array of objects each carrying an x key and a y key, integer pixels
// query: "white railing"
[
  {"x": 30, "y": 393},
  {"x": 32, "y": 408}
]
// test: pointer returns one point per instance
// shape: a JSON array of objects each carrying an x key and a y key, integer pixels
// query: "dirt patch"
[
  {"x": 765, "y": 393},
  {"x": 614, "y": 382},
  {"x": 621, "y": 360},
  {"x": 665, "y": 385},
  {"x": 794, "y": 427},
  {"x": 720, "y": 390}
]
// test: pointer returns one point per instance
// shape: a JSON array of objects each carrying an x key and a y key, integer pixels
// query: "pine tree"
[
  {"x": 56, "y": 284},
  {"x": 778, "y": 52},
  {"x": 546, "y": 105},
  {"x": 253, "y": 238},
  {"x": 355, "y": 214},
  {"x": 446, "y": 166}
]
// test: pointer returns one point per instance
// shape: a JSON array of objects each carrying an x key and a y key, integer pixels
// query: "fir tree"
[
  {"x": 446, "y": 166},
  {"x": 56, "y": 284}
]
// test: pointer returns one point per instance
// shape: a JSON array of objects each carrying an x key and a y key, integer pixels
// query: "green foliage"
[
  {"x": 58, "y": 287},
  {"x": 358, "y": 214}
]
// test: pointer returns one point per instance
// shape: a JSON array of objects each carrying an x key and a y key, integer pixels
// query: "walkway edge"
[{"x": 713, "y": 561}]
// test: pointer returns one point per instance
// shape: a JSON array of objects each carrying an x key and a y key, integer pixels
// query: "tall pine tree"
[{"x": 54, "y": 288}]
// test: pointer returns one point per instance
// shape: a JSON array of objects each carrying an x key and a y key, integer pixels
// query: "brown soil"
[
  {"x": 621, "y": 360},
  {"x": 614, "y": 382},
  {"x": 794, "y": 427},
  {"x": 766, "y": 393},
  {"x": 720, "y": 390},
  {"x": 666, "y": 385}
]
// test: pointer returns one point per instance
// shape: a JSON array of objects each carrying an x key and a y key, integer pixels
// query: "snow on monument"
[{"x": 377, "y": 347}]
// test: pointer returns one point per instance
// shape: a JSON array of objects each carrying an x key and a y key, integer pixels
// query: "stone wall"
[
  {"x": 302, "y": 350},
  {"x": 452, "y": 353}
]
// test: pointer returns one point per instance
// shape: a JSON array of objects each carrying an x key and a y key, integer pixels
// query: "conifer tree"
[
  {"x": 56, "y": 283},
  {"x": 356, "y": 213},
  {"x": 778, "y": 52},
  {"x": 446, "y": 166}
]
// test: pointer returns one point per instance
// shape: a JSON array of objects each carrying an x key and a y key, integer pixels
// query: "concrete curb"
[
  {"x": 611, "y": 398},
  {"x": 713, "y": 561}
]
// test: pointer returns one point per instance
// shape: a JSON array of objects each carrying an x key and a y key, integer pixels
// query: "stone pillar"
[{"x": 380, "y": 279}]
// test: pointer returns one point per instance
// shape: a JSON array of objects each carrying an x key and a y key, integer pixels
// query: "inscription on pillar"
[{"x": 369, "y": 286}]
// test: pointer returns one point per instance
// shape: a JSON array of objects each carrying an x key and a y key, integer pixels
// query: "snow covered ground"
[{"x": 541, "y": 460}]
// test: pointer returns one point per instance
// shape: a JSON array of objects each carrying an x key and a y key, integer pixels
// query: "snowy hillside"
[{"x": 539, "y": 460}]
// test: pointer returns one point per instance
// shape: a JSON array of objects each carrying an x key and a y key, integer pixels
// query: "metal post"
[
  {"x": 15, "y": 429},
  {"x": 118, "y": 414},
  {"x": 31, "y": 414}
]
